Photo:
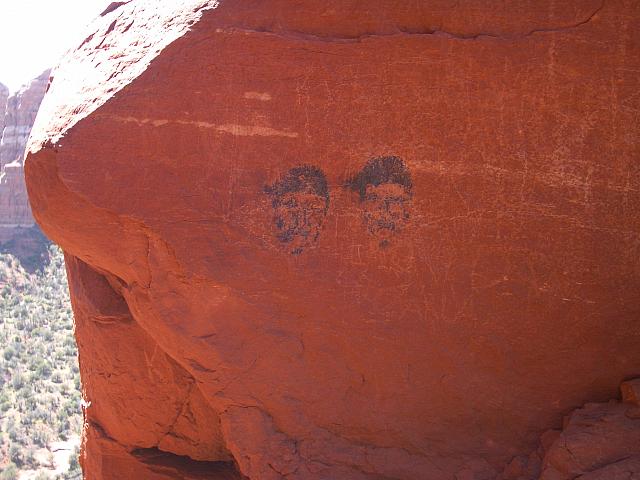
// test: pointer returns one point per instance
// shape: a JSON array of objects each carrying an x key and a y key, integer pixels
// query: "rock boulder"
[{"x": 344, "y": 239}]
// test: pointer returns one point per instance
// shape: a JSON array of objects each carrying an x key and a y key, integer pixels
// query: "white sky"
[{"x": 35, "y": 33}]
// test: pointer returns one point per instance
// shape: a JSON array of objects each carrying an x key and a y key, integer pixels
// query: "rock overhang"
[{"x": 365, "y": 316}]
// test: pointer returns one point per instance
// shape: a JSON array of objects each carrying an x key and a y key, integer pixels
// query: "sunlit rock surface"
[
  {"x": 346, "y": 239},
  {"x": 4, "y": 96},
  {"x": 18, "y": 233},
  {"x": 19, "y": 115}
]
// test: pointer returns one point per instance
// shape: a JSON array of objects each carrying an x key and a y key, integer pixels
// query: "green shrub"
[
  {"x": 10, "y": 472},
  {"x": 15, "y": 454},
  {"x": 44, "y": 370},
  {"x": 12, "y": 430},
  {"x": 29, "y": 458},
  {"x": 9, "y": 353},
  {"x": 74, "y": 464},
  {"x": 40, "y": 437}
]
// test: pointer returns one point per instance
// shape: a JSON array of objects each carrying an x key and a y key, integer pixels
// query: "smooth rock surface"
[{"x": 363, "y": 240}]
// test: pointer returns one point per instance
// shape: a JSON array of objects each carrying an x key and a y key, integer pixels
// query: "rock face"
[
  {"x": 19, "y": 115},
  {"x": 4, "y": 96},
  {"x": 346, "y": 240},
  {"x": 597, "y": 437},
  {"x": 600, "y": 441},
  {"x": 18, "y": 233}
]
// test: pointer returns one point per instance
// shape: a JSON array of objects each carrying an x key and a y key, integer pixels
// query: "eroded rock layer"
[
  {"x": 20, "y": 113},
  {"x": 4, "y": 96},
  {"x": 346, "y": 240},
  {"x": 18, "y": 233}
]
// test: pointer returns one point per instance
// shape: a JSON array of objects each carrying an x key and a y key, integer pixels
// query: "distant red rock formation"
[
  {"x": 4, "y": 96},
  {"x": 350, "y": 239},
  {"x": 20, "y": 113},
  {"x": 17, "y": 115}
]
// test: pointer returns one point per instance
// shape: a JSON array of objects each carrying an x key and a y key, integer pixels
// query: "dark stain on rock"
[
  {"x": 385, "y": 189},
  {"x": 300, "y": 201}
]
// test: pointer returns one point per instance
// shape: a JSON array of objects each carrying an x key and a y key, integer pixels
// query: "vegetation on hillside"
[
  {"x": 40, "y": 410},
  {"x": 29, "y": 246}
]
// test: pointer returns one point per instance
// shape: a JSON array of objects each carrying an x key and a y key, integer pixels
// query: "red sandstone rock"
[
  {"x": 631, "y": 391},
  {"x": 14, "y": 203},
  {"x": 4, "y": 96},
  {"x": 109, "y": 460},
  {"x": 138, "y": 376},
  {"x": 596, "y": 439},
  {"x": 17, "y": 115},
  {"x": 627, "y": 469},
  {"x": 378, "y": 239}
]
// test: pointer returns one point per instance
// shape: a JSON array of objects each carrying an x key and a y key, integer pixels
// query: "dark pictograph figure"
[
  {"x": 300, "y": 202},
  {"x": 385, "y": 189}
]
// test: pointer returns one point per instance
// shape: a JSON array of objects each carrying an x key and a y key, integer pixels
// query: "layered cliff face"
[
  {"x": 19, "y": 115},
  {"x": 347, "y": 240},
  {"x": 4, "y": 96},
  {"x": 18, "y": 233}
]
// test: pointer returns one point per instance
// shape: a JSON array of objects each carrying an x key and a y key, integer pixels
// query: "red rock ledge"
[{"x": 333, "y": 239}]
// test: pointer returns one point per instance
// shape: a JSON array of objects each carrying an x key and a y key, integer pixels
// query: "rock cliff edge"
[{"x": 350, "y": 239}]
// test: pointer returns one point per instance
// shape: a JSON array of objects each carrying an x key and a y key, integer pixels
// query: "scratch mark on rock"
[
  {"x": 231, "y": 128},
  {"x": 263, "y": 97}
]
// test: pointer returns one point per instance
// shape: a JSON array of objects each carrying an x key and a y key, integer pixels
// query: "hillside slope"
[{"x": 40, "y": 413}]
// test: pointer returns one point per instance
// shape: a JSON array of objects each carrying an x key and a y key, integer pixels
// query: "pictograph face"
[
  {"x": 300, "y": 201},
  {"x": 385, "y": 189},
  {"x": 385, "y": 208}
]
